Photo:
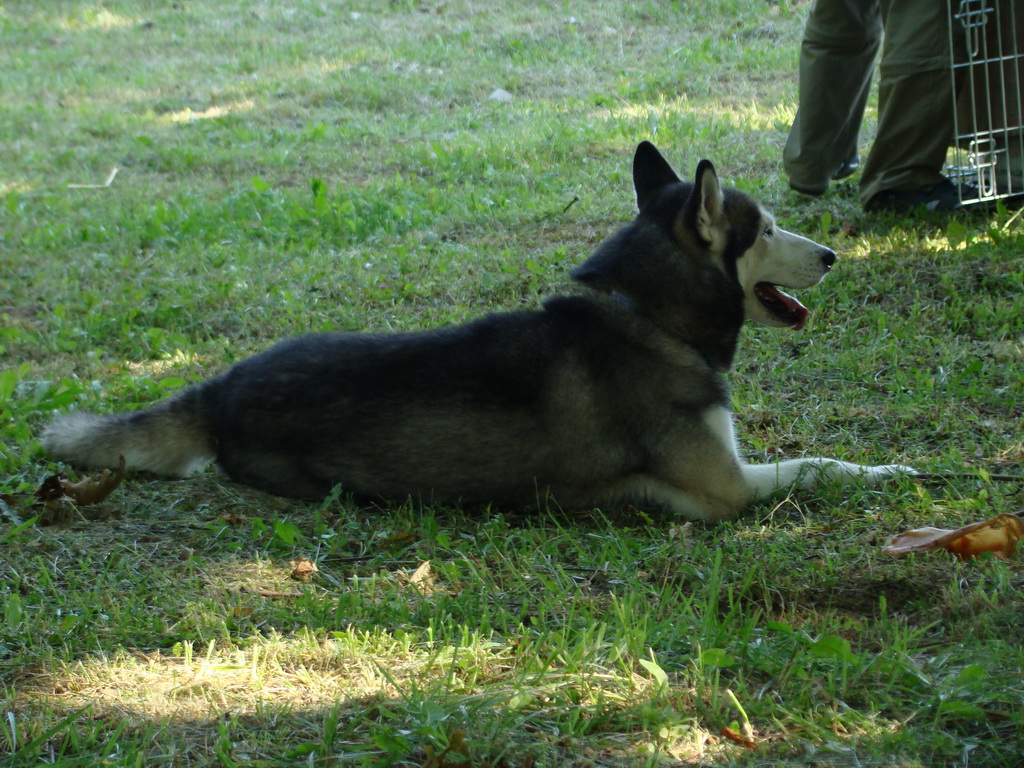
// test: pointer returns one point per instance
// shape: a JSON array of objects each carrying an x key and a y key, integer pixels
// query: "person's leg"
[
  {"x": 915, "y": 109},
  {"x": 837, "y": 58}
]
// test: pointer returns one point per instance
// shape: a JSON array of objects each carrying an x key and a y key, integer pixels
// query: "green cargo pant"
[{"x": 915, "y": 104}]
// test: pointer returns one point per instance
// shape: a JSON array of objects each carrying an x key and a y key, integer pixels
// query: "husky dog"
[{"x": 615, "y": 394}]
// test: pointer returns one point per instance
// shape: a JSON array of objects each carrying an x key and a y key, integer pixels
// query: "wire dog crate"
[{"x": 986, "y": 159}]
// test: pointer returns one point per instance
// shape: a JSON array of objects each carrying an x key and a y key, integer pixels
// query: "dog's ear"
[
  {"x": 706, "y": 205},
  {"x": 651, "y": 173}
]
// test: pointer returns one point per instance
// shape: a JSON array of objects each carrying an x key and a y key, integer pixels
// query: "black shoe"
[
  {"x": 847, "y": 169},
  {"x": 943, "y": 197}
]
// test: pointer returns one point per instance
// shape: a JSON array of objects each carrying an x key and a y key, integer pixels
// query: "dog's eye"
[{"x": 768, "y": 232}]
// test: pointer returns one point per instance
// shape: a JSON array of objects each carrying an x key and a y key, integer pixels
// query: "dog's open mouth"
[{"x": 781, "y": 305}]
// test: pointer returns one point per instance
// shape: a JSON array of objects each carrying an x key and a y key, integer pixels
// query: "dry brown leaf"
[
  {"x": 422, "y": 575},
  {"x": 456, "y": 743},
  {"x": 422, "y": 579},
  {"x": 57, "y": 508},
  {"x": 50, "y": 492},
  {"x": 303, "y": 570},
  {"x": 684, "y": 533},
  {"x": 739, "y": 738},
  {"x": 1000, "y": 536},
  {"x": 94, "y": 489},
  {"x": 61, "y": 497}
]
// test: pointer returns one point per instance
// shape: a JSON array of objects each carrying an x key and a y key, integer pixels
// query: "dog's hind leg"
[
  {"x": 702, "y": 475},
  {"x": 707, "y": 504}
]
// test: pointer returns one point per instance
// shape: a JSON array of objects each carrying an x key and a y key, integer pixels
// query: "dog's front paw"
[{"x": 883, "y": 472}]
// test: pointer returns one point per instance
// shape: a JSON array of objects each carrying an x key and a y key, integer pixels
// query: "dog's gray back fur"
[{"x": 576, "y": 399}]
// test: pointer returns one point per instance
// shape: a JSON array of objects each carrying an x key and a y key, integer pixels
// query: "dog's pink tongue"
[
  {"x": 800, "y": 312},
  {"x": 795, "y": 312}
]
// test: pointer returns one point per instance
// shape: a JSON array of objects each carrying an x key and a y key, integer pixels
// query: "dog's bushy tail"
[{"x": 171, "y": 438}]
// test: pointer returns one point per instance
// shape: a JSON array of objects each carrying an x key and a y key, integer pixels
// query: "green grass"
[{"x": 286, "y": 167}]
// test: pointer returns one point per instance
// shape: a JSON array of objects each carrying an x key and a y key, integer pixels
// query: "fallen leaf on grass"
[
  {"x": 57, "y": 490},
  {"x": 422, "y": 577},
  {"x": 303, "y": 570},
  {"x": 684, "y": 533},
  {"x": 58, "y": 508},
  {"x": 61, "y": 497},
  {"x": 1000, "y": 536},
  {"x": 50, "y": 492},
  {"x": 94, "y": 489},
  {"x": 738, "y": 737},
  {"x": 456, "y": 743}
]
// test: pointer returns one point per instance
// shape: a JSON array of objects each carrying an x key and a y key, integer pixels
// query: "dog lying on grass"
[{"x": 616, "y": 394}]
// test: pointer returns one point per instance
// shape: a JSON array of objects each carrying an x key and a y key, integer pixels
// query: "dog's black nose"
[{"x": 828, "y": 257}]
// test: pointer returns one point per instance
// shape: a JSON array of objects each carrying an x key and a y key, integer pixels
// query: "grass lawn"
[{"x": 298, "y": 166}]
